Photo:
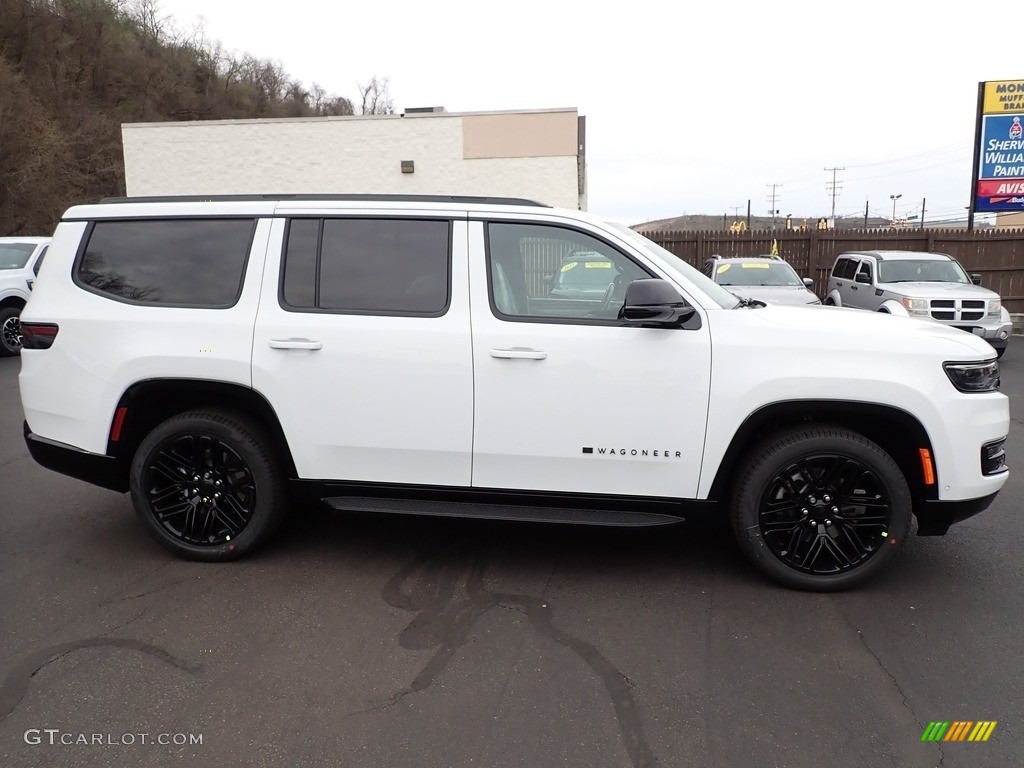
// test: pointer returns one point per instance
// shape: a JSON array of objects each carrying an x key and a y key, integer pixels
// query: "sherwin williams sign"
[{"x": 999, "y": 153}]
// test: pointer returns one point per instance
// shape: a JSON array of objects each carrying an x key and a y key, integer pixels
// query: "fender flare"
[
  {"x": 893, "y": 308},
  {"x": 834, "y": 296}
]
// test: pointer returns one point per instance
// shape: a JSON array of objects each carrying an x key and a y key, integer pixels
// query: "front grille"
[
  {"x": 957, "y": 310},
  {"x": 993, "y": 457}
]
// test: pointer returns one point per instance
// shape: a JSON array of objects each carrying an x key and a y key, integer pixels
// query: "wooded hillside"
[{"x": 71, "y": 71}]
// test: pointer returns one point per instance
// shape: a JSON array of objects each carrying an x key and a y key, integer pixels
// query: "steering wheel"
[{"x": 606, "y": 301}]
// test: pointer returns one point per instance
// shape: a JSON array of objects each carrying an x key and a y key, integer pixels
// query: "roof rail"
[{"x": 308, "y": 197}]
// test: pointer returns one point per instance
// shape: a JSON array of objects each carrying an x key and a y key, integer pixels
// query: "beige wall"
[
  {"x": 531, "y": 155},
  {"x": 1009, "y": 220}
]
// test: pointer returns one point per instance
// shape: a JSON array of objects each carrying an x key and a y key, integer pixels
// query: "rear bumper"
[
  {"x": 95, "y": 468},
  {"x": 935, "y": 517}
]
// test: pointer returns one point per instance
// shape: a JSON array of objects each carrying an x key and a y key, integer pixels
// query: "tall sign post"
[{"x": 997, "y": 182}]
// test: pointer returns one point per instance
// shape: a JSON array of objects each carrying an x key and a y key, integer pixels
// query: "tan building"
[
  {"x": 1014, "y": 220},
  {"x": 534, "y": 154}
]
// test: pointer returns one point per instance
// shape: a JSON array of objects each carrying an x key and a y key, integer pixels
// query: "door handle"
[
  {"x": 853, "y": 287},
  {"x": 519, "y": 353},
  {"x": 295, "y": 344}
]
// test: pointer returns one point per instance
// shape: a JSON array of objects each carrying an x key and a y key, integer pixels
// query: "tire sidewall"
[
  {"x": 246, "y": 441},
  {"x": 769, "y": 459}
]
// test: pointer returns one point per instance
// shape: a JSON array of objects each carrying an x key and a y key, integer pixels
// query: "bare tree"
[{"x": 376, "y": 99}]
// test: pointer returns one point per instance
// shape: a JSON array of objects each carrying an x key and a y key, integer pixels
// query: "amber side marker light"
[{"x": 927, "y": 467}]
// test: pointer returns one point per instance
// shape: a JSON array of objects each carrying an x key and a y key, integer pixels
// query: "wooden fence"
[{"x": 997, "y": 254}]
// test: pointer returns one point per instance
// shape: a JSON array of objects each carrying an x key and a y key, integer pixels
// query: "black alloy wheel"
[
  {"x": 208, "y": 485},
  {"x": 820, "y": 508}
]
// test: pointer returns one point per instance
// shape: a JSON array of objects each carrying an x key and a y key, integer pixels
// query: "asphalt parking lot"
[{"x": 382, "y": 642}]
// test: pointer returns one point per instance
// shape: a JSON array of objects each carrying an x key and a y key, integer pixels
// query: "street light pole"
[{"x": 894, "y": 198}]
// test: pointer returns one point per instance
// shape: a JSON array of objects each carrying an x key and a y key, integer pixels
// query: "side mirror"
[
  {"x": 862, "y": 277},
  {"x": 652, "y": 301},
  {"x": 808, "y": 282},
  {"x": 976, "y": 278}
]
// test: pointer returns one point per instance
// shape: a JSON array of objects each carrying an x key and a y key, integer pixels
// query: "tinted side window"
[
  {"x": 865, "y": 267},
  {"x": 386, "y": 266},
  {"x": 840, "y": 269},
  {"x": 182, "y": 262}
]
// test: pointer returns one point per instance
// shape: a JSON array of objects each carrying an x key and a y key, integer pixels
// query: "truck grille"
[{"x": 958, "y": 309}]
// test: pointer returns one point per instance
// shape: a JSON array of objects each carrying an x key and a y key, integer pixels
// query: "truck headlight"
[
  {"x": 974, "y": 377},
  {"x": 994, "y": 305},
  {"x": 917, "y": 307}
]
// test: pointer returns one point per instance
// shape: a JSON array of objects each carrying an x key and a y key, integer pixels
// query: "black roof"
[{"x": 309, "y": 197}]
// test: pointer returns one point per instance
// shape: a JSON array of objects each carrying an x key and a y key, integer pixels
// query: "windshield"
[
  {"x": 15, "y": 255},
  {"x": 586, "y": 273},
  {"x": 711, "y": 289},
  {"x": 921, "y": 271},
  {"x": 756, "y": 273}
]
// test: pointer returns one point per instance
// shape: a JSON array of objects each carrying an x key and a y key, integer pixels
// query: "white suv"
[
  {"x": 20, "y": 260},
  {"x": 219, "y": 356}
]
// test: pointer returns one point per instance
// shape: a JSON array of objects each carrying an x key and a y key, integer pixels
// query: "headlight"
[
  {"x": 994, "y": 305},
  {"x": 974, "y": 377},
  {"x": 916, "y": 306}
]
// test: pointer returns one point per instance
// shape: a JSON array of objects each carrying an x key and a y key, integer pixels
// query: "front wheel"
[
  {"x": 10, "y": 331},
  {"x": 820, "y": 508},
  {"x": 208, "y": 485}
]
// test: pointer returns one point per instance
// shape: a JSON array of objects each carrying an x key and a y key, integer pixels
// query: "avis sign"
[{"x": 999, "y": 185}]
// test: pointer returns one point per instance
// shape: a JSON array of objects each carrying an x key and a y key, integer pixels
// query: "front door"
[{"x": 568, "y": 397}]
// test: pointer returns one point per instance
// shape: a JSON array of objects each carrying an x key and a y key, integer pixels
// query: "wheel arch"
[
  {"x": 896, "y": 431},
  {"x": 12, "y": 301},
  {"x": 152, "y": 401},
  {"x": 834, "y": 297}
]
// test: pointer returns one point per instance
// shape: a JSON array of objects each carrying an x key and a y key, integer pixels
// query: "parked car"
[
  {"x": 20, "y": 260},
  {"x": 402, "y": 355},
  {"x": 929, "y": 286},
  {"x": 762, "y": 278}
]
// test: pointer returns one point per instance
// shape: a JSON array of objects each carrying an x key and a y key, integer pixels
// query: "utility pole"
[
  {"x": 773, "y": 198},
  {"x": 923, "y": 201},
  {"x": 736, "y": 210},
  {"x": 834, "y": 189},
  {"x": 748, "y": 215},
  {"x": 866, "y": 214}
]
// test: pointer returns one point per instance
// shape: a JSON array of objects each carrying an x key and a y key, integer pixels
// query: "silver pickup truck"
[{"x": 930, "y": 286}]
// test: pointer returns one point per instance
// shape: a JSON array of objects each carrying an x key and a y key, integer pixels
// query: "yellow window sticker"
[
  {"x": 723, "y": 268},
  {"x": 598, "y": 265},
  {"x": 755, "y": 265},
  {"x": 568, "y": 266}
]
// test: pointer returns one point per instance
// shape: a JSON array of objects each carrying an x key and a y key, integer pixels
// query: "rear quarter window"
[{"x": 167, "y": 262}]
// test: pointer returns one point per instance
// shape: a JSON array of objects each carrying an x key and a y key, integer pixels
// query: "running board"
[{"x": 516, "y": 512}]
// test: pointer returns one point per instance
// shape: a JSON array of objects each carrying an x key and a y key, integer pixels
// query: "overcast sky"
[{"x": 690, "y": 107}]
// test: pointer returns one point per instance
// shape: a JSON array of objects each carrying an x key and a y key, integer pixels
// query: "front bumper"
[{"x": 935, "y": 517}]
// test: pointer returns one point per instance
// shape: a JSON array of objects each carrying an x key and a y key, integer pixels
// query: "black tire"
[
  {"x": 1000, "y": 351},
  {"x": 208, "y": 485},
  {"x": 10, "y": 331},
  {"x": 829, "y": 303},
  {"x": 820, "y": 508}
]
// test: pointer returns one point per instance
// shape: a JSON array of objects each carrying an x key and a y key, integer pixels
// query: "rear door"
[{"x": 362, "y": 345}]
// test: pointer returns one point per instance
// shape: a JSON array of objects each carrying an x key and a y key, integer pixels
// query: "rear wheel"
[
  {"x": 10, "y": 331},
  {"x": 820, "y": 508},
  {"x": 208, "y": 485}
]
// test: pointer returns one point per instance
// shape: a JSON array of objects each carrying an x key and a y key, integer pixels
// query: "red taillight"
[
  {"x": 115, "y": 428},
  {"x": 38, "y": 335}
]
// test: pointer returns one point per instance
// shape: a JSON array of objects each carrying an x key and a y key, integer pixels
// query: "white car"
[
  {"x": 762, "y": 278},
  {"x": 404, "y": 355},
  {"x": 20, "y": 259}
]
